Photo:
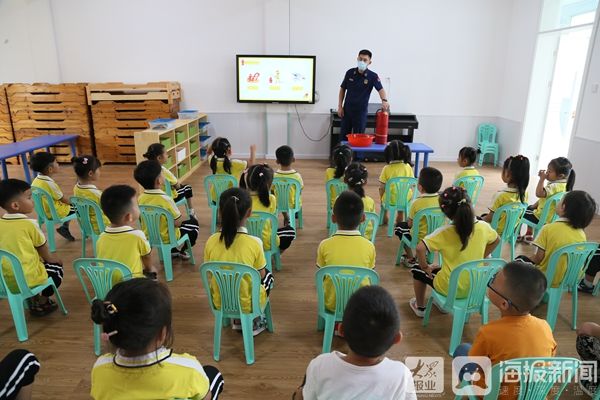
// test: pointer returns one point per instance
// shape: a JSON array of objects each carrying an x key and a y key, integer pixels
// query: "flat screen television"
[{"x": 275, "y": 79}]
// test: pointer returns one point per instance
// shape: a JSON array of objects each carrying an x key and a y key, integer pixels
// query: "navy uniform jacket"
[{"x": 358, "y": 88}]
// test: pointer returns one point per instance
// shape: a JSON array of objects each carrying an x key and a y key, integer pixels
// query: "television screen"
[{"x": 275, "y": 79}]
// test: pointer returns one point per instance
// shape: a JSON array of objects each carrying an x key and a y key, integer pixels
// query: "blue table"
[
  {"x": 416, "y": 148},
  {"x": 24, "y": 147}
]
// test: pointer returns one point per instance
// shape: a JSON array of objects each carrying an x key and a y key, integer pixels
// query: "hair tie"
[
  {"x": 260, "y": 174},
  {"x": 85, "y": 160},
  {"x": 235, "y": 198},
  {"x": 445, "y": 195},
  {"x": 106, "y": 336},
  {"x": 462, "y": 201},
  {"x": 110, "y": 308}
]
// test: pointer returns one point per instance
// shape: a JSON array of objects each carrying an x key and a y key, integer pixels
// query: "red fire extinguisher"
[{"x": 381, "y": 126}]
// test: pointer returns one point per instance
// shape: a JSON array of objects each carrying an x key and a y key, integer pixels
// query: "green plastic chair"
[
  {"x": 333, "y": 188},
  {"x": 435, "y": 218},
  {"x": 472, "y": 184},
  {"x": 83, "y": 211},
  {"x": 16, "y": 300},
  {"x": 536, "y": 376},
  {"x": 217, "y": 184},
  {"x": 40, "y": 196},
  {"x": 545, "y": 216},
  {"x": 578, "y": 256},
  {"x": 282, "y": 188},
  {"x": 182, "y": 202},
  {"x": 228, "y": 277},
  {"x": 403, "y": 185},
  {"x": 151, "y": 219},
  {"x": 486, "y": 142},
  {"x": 346, "y": 280},
  {"x": 480, "y": 272},
  {"x": 99, "y": 273},
  {"x": 372, "y": 219},
  {"x": 256, "y": 226},
  {"x": 513, "y": 215}
]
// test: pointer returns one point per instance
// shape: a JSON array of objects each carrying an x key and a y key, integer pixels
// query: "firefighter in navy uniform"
[{"x": 355, "y": 91}]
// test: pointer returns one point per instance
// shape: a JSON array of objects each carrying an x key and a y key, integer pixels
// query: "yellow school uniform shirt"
[
  {"x": 172, "y": 179},
  {"x": 293, "y": 175},
  {"x": 330, "y": 174},
  {"x": 395, "y": 169},
  {"x": 426, "y": 200},
  {"x": 369, "y": 206},
  {"x": 91, "y": 192},
  {"x": 502, "y": 197},
  {"x": 553, "y": 236},
  {"x": 125, "y": 245},
  {"x": 551, "y": 189},
  {"x": 158, "y": 375},
  {"x": 237, "y": 167},
  {"x": 158, "y": 198},
  {"x": 447, "y": 242},
  {"x": 344, "y": 248},
  {"x": 272, "y": 209},
  {"x": 245, "y": 249},
  {"x": 22, "y": 236},
  {"x": 48, "y": 184},
  {"x": 466, "y": 171}
]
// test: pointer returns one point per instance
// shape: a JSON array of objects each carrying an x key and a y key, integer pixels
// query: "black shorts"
[{"x": 421, "y": 276}]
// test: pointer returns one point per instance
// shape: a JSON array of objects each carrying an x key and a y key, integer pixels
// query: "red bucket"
[{"x": 360, "y": 139}]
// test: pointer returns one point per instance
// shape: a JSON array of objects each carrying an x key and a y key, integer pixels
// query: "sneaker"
[
  {"x": 419, "y": 311},
  {"x": 259, "y": 325},
  {"x": 39, "y": 310},
  {"x": 337, "y": 331},
  {"x": 192, "y": 212},
  {"x": 409, "y": 262},
  {"x": 236, "y": 325},
  {"x": 583, "y": 288},
  {"x": 184, "y": 255},
  {"x": 175, "y": 253},
  {"x": 439, "y": 306},
  {"x": 64, "y": 232},
  {"x": 528, "y": 239}
]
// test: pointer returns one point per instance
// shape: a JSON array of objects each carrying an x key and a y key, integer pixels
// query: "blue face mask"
[{"x": 362, "y": 65}]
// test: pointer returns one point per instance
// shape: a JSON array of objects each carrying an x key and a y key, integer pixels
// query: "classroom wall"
[
  {"x": 585, "y": 144},
  {"x": 444, "y": 61}
]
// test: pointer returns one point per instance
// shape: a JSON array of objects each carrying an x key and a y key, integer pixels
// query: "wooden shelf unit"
[{"x": 186, "y": 134}]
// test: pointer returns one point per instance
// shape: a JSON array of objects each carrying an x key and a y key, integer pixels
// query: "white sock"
[{"x": 588, "y": 283}]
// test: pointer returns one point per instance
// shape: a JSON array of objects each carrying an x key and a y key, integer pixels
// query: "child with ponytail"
[
  {"x": 466, "y": 159},
  {"x": 220, "y": 158},
  {"x": 355, "y": 177},
  {"x": 233, "y": 244},
  {"x": 340, "y": 158},
  {"x": 515, "y": 173},
  {"x": 561, "y": 178},
  {"x": 397, "y": 157},
  {"x": 87, "y": 169},
  {"x": 258, "y": 180},
  {"x": 136, "y": 318},
  {"x": 156, "y": 152},
  {"x": 466, "y": 239}
]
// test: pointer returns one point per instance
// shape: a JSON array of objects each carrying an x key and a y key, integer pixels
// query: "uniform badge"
[{"x": 366, "y": 81}]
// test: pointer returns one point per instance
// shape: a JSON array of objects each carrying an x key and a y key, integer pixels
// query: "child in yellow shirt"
[
  {"x": 397, "y": 157},
  {"x": 430, "y": 182},
  {"x": 120, "y": 241},
  {"x": 346, "y": 246},
  {"x": 46, "y": 167},
  {"x": 341, "y": 157},
  {"x": 87, "y": 169},
  {"x": 220, "y": 161},
  {"x": 466, "y": 160},
  {"x": 233, "y": 244},
  {"x": 356, "y": 176},
  {"x": 136, "y": 318},
  {"x": 285, "y": 159},
  {"x": 23, "y": 238},
  {"x": 149, "y": 175},
  {"x": 157, "y": 152}
]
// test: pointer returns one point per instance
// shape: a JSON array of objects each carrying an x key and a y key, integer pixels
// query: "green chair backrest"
[
  {"x": 551, "y": 203},
  {"x": 513, "y": 213},
  {"x": 168, "y": 189},
  {"x": 403, "y": 185},
  {"x": 83, "y": 209},
  {"x": 256, "y": 226},
  {"x": 434, "y": 217},
  {"x": 472, "y": 184},
  {"x": 152, "y": 217},
  {"x": 41, "y": 197},
  {"x": 578, "y": 256},
  {"x": 228, "y": 277},
  {"x": 372, "y": 219},
  {"x": 346, "y": 280},
  {"x": 333, "y": 188},
  {"x": 15, "y": 265},
  {"x": 217, "y": 184},
  {"x": 100, "y": 274},
  {"x": 486, "y": 133},
  {"x": 282, "y": 188},
  {"x": 480, "y": 272},
  {"x": 538, "y": 377}
]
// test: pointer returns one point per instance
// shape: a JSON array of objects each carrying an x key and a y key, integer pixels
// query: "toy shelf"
[{"x": 185, "y": 144}]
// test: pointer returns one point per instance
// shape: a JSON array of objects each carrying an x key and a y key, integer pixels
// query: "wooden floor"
[{"x": 64, "y": 343}]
